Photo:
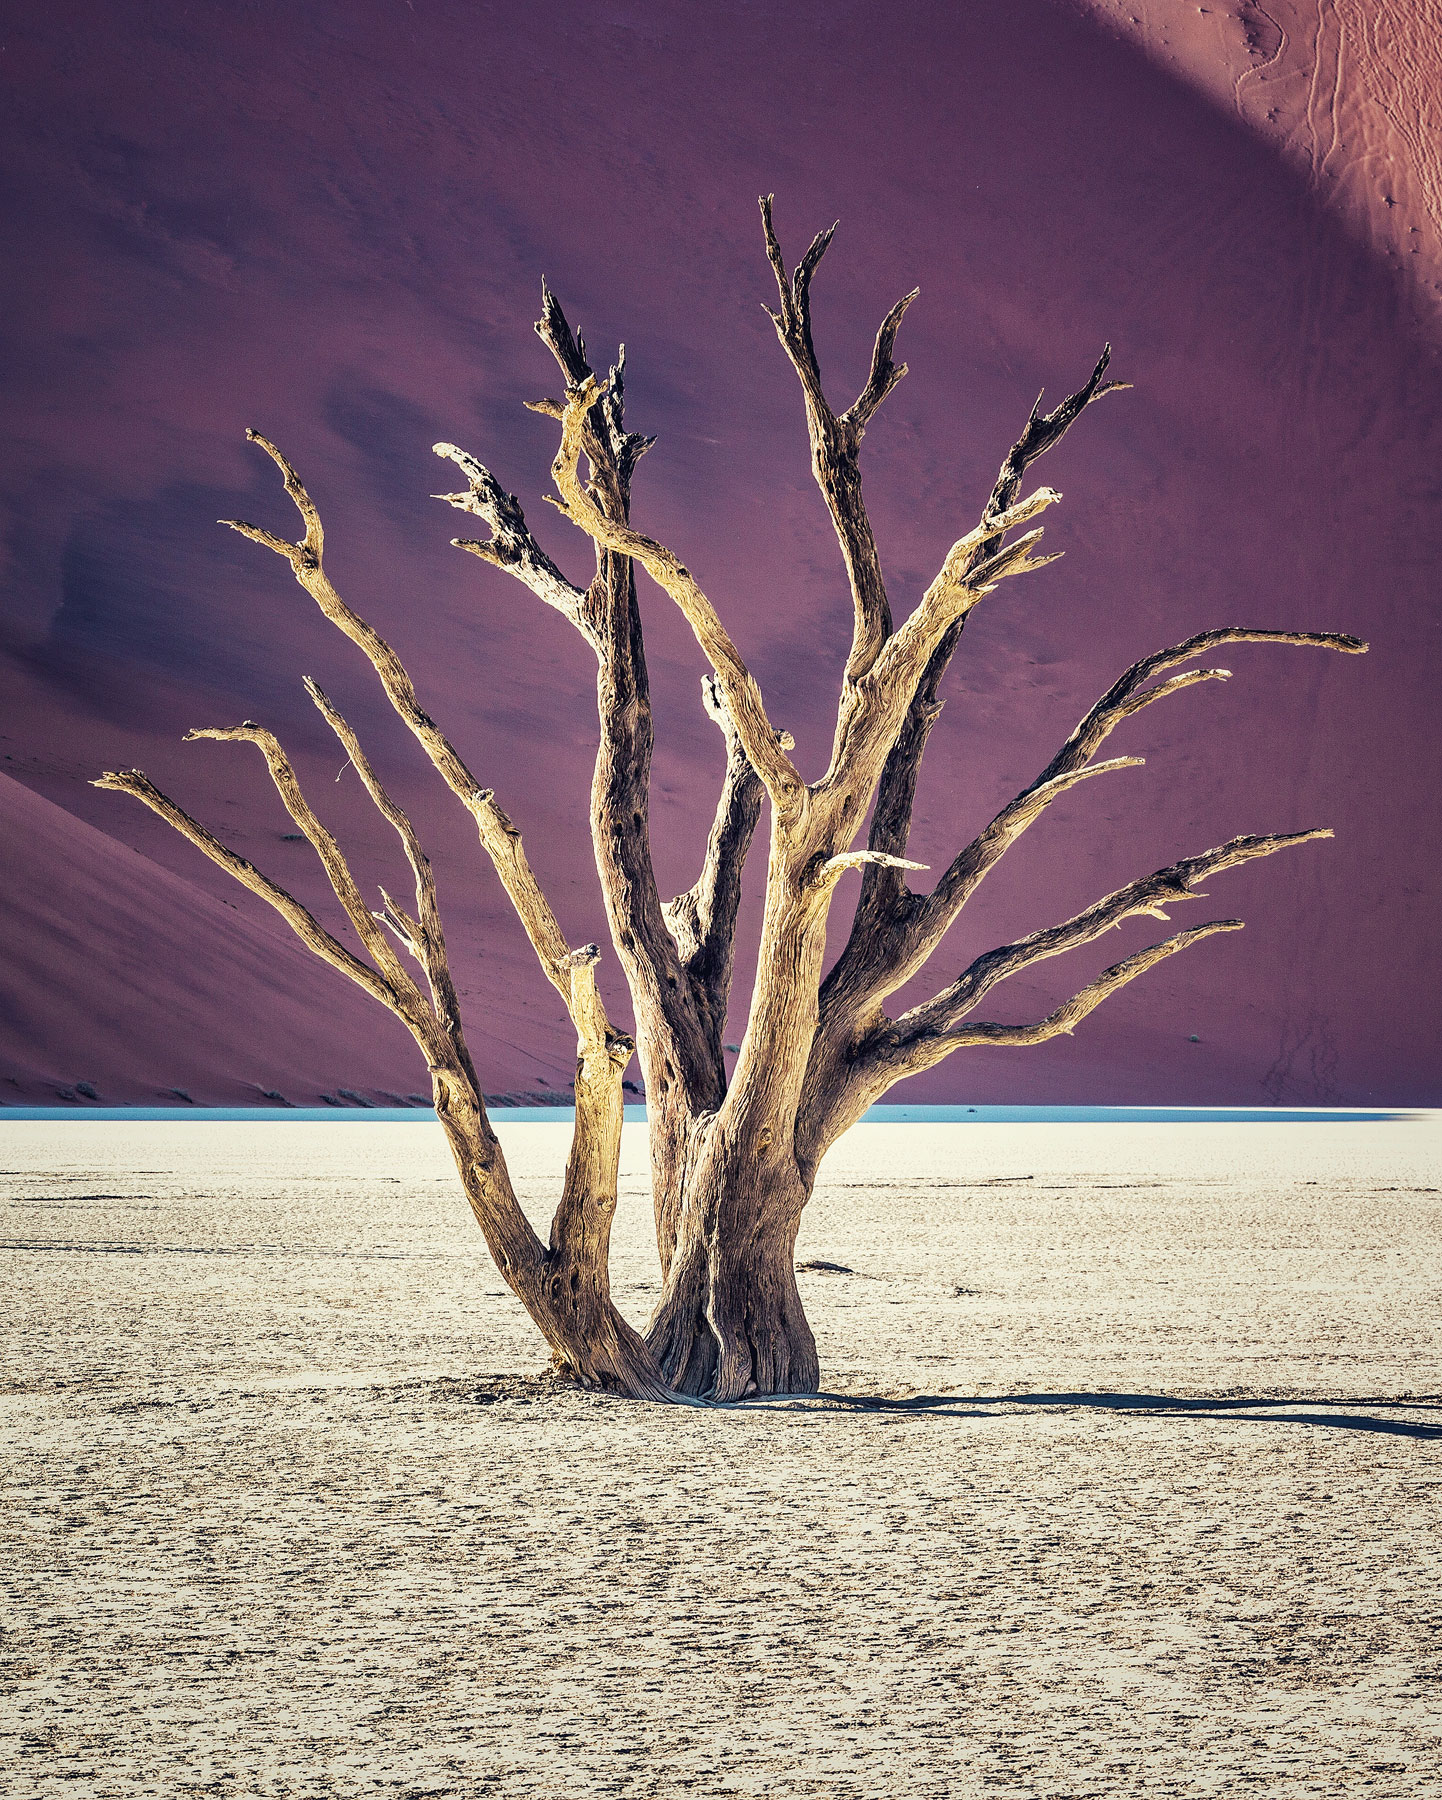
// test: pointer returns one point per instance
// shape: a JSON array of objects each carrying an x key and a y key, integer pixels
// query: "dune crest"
[{"x": 1349, "y": 92}]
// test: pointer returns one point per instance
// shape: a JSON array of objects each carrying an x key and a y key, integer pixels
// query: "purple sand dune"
[
  {"x": 120, "y": 975},
  {"x": 331, "y": 226}
]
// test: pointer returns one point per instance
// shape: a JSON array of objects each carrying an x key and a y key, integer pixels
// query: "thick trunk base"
[
  {"x": 730, "y": 1322},
  {"x": 593, "y": 1346}
]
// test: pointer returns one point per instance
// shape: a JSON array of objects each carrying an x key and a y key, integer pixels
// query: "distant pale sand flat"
[{"x": 288, "y": 1514}]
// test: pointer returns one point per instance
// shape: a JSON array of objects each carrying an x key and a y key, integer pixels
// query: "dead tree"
[{"x": 733, "y": 1160}]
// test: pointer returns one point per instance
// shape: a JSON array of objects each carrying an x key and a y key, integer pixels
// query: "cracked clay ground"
[{"x": 288, "y": 1512}]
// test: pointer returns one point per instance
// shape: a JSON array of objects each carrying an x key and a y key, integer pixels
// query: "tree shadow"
[{"x": 1254, "y": 1410}]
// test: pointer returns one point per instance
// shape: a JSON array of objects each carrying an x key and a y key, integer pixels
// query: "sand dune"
[
  {"x": 359, "y": 279},
  {"x": 119, "y": 975},
  {"x": 1349, "y": 93}
]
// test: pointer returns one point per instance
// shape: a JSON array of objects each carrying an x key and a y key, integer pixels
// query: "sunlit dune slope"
[{"x": 118, "y": 974}]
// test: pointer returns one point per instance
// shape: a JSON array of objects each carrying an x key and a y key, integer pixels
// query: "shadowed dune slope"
[{"x": 1349, "y": 94}]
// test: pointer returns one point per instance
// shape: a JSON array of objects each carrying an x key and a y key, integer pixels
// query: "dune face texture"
[
  {"x": 1349, "y": 92},
  {"x": 331, "y": 225},
  {"x": 121, "y": 976}
]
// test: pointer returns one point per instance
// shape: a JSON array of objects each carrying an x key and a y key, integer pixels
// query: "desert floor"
[{"x": 1127, "y": 1484}]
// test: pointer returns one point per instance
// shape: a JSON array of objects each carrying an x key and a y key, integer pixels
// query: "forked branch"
[
  {"x": 1129, "y": 693},
  {"x": 676, "y": 963},
  {"x": 423, "y": 936},
  {"x": 836, "y": 438},
  {"x": 1066, "y": 1018},
  {"x": 703, "y": 919},
  {"x": 1043, "y": 431},
  {"x": 612, "y": 451},
  {"x": 941, "y": 1015},
  {"x": 337, "y": 869},
  {"x": 977, "y": 561},
  {"x": 566, "y": 1286},
  {"x": 924, "y": 1036},
  {"x": 302, "y": 922},
  {"x": 760, "y": 739},
  {"x": 499, "y": 837},
  {"x": 975, "y": 564},
  {"x": 873, "y": 713},
  {"x": 896, "y": 942},
  {"x": 926, "y": 924},
  {"x": 511, "y": 546},
  {"x": 896, "y": 789}
]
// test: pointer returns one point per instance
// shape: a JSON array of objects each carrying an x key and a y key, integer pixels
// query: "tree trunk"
[
  {"x": 566, "y": 1288},
  {"x": 730, "y": 1321}
]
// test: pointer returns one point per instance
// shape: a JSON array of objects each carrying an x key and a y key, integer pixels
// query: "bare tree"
[{"x": 733, "y": 1161}]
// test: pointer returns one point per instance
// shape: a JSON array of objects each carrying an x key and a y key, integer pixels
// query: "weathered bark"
[
  {"x": 734, "y": 1159},
  {"x": 565, "y": 1288},
  {"x": 730, "y": 1321},
  {"x": 677, "y": 958}
]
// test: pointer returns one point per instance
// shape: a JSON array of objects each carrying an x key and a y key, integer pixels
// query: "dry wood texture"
[{"x": 733, "y": 1159}]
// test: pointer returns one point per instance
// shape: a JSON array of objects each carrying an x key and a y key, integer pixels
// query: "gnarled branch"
[
  {"x": 511, "y": 546},
  {"x": 761, "y": 740},
  {"x": 1149, "y": 895},
  {"x": 847, "y": 1073},
  {"x": 675, "y": 1001},
  {"x": 423, "y": 936},
  {"x": 566, "y": 1287},
  {"x": 337, "y": 869},
  {"x": 1128, "y": 694},
  {"x": 895, "y": 947},
  {"x": 703, "y": 919},
  {"x": 834, "y": 867},
  {"x": 926, "y": 1052},
  {"x": 674, "y": 978},
  {"x": 918, "y": 1040},
  {"x": 301, "y": 920},
  {"x": 882, "y": 886},
  {"x": 874, "y": 710},
  {"x": 975, "y": 564},
  {"x": 885, "y": 373},
  {"x": 836, "y": 439},
  {"x": 612, "y": 451},
  {"x": 1045, "y": 430},
  {"x": 499, "y": 837}
]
